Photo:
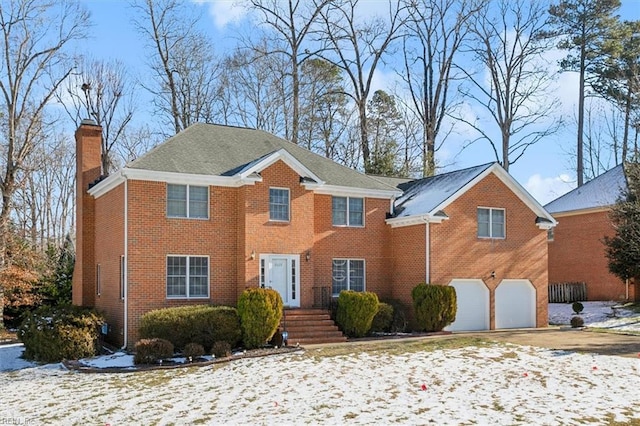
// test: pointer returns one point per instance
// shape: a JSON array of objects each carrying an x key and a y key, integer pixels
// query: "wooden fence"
[{"x": 567, "y": 292}]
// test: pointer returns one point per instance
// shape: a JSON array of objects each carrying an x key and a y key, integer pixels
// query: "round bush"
[
  {"x": 260, "y": 311},
  {"x": 435, "y": 306},
  {"x": 221, "y": 349},
  {"x": 577, "y": 321},
  {"x": 202, "y": 324},
  {"x": 150, "y": 351},
  {"x": 193, "y": 350},
  {"x": 383, "y": 319},
  {"x": 51, "y": 334},
  {"x": 356, "y": 311},
  {"x": 577, "y": 307}
]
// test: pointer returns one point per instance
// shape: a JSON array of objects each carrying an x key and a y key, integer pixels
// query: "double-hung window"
[
  {"x": 279, "y": 204},
  {"x": 187, "y": 276},
  {"x": 187, "y": 201},
  {"x": 491, "y": 223},
  {"x": 347, "y": 211},
  {"x": 347, "y": 274}
]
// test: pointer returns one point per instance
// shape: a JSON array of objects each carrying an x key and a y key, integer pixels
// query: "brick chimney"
[{"x": 88, "y": 170}]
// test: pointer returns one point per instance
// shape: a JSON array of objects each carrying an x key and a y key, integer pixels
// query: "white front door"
[{"x": 282, "y": 273}]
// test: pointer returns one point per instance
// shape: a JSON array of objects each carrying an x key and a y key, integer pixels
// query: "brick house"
[
  {"x": 576, "y": 250},
  {"x": 217, "y": 209}
]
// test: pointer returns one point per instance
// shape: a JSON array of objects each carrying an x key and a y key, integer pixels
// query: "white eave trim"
[
  {"x": 348, "y": 191},
  {"x": 398, "y": 222},
  {"x": 287, "y": 158},
  {"x": 582, "y": 211}
]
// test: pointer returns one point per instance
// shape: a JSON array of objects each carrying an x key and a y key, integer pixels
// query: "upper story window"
[
  {"x": 490, "y": 223},
  {"x": 348, "y": 211},
  {"x": 279, "y": 204},
  {"x": 188, "y": 201},
  {"x": 187, "y": 276}
]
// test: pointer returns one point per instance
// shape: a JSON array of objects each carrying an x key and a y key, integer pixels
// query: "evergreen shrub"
[
  {"x": 383, "y": 319},
  {"x": 260, "y": 311},
  {"x": 150, "y": 351},
  {"x": 51, "y": 334},
  {"x": 356, "y": 311},
  {"x": 435, "y": 306},
  {"x": 202, "y": 324}
]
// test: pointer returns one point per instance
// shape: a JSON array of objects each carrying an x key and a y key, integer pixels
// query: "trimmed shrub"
[
  {"x": 202, "y": 324},
  {"x": 356, "y": 311},
  {"x": 260, "y": 311},
  {"x": 51, "y": 334},
  {"x": 577, "y": 307},
  {"x": 193, "y": 350},
  {"x": 400, "y": 314},
  {"x": 435, "y": 306},
  {"x": 221, "y": 349},
  {"x": 277, "y": 339},
  {"x": 383, "y": 319},
  {"x": 150, "y": 351},
  {"x": 577, "y": 321}
]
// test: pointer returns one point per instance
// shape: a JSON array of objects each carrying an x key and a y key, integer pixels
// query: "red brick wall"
[
  {"x": 578, "y": 254},
  {"x": 152, "y": 236},
  {"x": 109, "y": 232},
  {"x": 371, "y": 243},
  {"x": 264, "y": 236},
  {"x": 88, "y": 169},
  {"x": 457, "y": 252}
]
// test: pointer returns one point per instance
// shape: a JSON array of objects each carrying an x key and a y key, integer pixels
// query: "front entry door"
[{"x": 282, "y": 273}]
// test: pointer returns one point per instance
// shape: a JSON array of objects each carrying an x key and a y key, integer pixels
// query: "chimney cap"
[{"x": 88, "y": 121}]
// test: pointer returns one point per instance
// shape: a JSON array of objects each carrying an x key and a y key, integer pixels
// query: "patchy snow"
[
  {"x": 493, "y": 384},
  {"x": 496, "y": 384},
  {"x": 596, "y": 315}
]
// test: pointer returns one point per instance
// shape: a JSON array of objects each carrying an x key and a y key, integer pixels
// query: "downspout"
[
  {"x": 427, "y": 250},
  {"x": 626, "y": 282},
  {"x": 126, "y": 262}
]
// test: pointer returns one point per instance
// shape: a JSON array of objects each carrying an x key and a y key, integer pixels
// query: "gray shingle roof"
[
  {"x": 601, "y": 191},
  {"x": 216, "y": 150},
  {"x": 423, "y": 196}
]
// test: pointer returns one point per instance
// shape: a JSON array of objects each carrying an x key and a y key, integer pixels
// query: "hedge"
[
  {"x": 260, "y": 311},
  {"x": 202, "y": 324},
  {"x": 356, "y": 311}
]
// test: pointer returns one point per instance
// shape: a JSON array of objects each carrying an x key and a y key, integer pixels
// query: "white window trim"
[
  {"x": 288, "y": 205},
  {"x": 491, "y": 209},
  {"x": 187, "y": 278},
  {"x": 348, "y": 224},
  {"x": 188, "y": 216},
  {"x": 364, "y": 273}
]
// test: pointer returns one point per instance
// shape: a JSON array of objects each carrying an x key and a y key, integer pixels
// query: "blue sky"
[{"x": 546, "y": 170}]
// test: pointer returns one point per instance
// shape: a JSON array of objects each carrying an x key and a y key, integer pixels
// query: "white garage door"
[
  {"x": 515, "y": 304},
  {"x": 473, "y": 306}
]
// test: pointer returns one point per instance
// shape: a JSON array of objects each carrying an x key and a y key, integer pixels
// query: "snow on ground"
[{"x": 493, "y": 384}]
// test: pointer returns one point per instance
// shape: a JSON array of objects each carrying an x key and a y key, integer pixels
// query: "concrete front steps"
[{"x": 310, "y": 326}]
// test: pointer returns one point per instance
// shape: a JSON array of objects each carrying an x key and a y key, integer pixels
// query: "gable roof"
[
  {"x": 424, "y": 200},
  {"x": 212, "y": 154},
  {"x": 600, "y": 192}
]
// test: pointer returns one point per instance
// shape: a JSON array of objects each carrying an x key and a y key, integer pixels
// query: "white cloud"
[
  {"x": 225, "y": 12},
  {"x": 546, "y": 189}
]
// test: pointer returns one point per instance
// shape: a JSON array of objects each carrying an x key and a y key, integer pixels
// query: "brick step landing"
[{"x": 310, "y": 326}]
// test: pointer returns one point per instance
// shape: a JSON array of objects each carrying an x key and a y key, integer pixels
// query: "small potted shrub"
[
  {"x": 577, "y": 307},
  {"x": 577, "y": 321}
]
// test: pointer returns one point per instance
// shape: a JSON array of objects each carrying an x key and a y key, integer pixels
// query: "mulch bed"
[{"x": 202, "y": 362}]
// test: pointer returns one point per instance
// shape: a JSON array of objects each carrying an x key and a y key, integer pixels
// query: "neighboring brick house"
[
  {"x": 576, "y": 249},
  {"x": 217, "y": 209}
]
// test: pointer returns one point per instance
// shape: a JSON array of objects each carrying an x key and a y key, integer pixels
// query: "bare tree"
[
  {"x": 435, "y": 32},
  {"x": 183, "y": 66},
  {"x": 35, "y": 61},
  {"x": 102, "y": 91},
  {"x": 291, "y": 23},
  {"x": 513, "y": 86},
  {"x": 357, "y": 47}
]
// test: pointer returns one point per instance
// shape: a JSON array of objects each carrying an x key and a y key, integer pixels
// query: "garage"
[
  {"x": 515, "y": 304},
  {"x": 473, "y": 305}
]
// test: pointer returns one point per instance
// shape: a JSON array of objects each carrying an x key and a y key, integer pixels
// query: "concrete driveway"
[{"x": 569, "y": 339}]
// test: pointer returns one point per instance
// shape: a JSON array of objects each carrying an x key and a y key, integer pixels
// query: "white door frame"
[{"x": 292, "y": 297}]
